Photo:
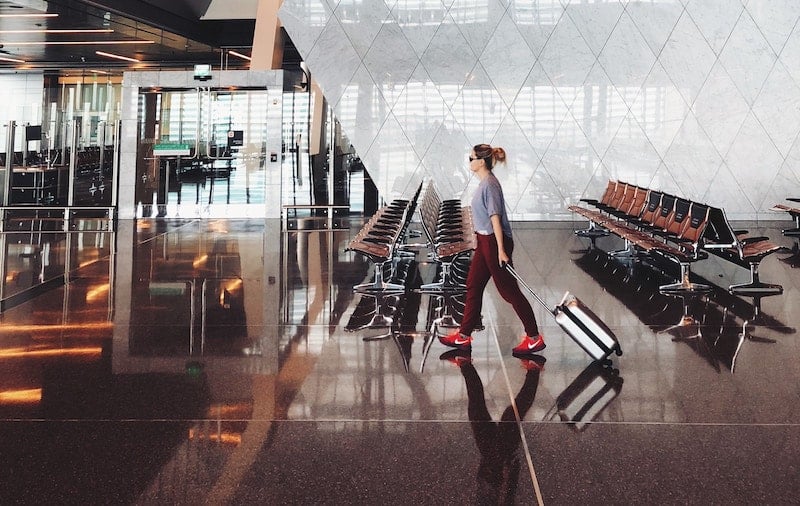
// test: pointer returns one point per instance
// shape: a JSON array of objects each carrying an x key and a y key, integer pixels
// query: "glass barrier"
[{"x": 42, "y": 248}]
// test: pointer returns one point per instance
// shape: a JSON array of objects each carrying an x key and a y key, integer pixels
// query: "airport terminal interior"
[{"x": 224, "y": 281}]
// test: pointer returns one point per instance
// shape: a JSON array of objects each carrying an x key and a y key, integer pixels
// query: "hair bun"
[{"x": 499, "y": 154}]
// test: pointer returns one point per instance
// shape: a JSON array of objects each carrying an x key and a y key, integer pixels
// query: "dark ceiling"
[{"x": 180, "y": 39}]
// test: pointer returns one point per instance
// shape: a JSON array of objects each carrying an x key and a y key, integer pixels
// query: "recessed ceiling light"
[
  {"x": 240, "y": 55},
  {"x": 76, "y": 30},
  {"x": 42, "y": 15},
  {"x": 75, "y": 43},
  {"x": 118, "y": 57}
]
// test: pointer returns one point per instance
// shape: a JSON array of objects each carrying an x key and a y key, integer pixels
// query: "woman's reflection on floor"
[{"x": 498, "y": 442}]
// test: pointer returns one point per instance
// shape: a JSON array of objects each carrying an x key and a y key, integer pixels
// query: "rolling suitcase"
[{"x": 583, "y": 326}]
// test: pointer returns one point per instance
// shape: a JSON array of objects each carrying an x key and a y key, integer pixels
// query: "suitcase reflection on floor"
[
  {"x": 709, "y": 323},
  {"x": 585, "y": 399},
  {"x": 498, "y": 442}
]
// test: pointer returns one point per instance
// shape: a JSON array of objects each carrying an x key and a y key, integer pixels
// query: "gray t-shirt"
[{"x": 487, "y": 201}]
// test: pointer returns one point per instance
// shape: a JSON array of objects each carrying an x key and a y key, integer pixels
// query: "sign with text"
[{"x": 171, "y": 149}]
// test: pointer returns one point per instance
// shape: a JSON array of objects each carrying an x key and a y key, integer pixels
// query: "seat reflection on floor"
[
  {"x": 395, "y": 315},
  {"x": 707, "y": 321},
  {"x": 792, "y": 260}
]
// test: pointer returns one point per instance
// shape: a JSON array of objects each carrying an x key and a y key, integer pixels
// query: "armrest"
[
  {"x": 375, "y": 240},
  {"x": 645, "y": 227},
  {"x": 751, "y": 240},
  {"x": 741, "y": 232}
]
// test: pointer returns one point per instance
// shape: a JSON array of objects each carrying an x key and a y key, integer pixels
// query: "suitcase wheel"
[{"x": 618, "y": 351}]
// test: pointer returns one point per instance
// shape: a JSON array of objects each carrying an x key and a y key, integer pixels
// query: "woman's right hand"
[{"x": 503, "y": 258}]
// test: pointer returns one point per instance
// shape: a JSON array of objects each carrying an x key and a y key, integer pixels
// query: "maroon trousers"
[{"x": 485, "y": 265}]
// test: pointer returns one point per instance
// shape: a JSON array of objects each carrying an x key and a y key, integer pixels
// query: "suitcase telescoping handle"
[{"x": 523, "y": 283}]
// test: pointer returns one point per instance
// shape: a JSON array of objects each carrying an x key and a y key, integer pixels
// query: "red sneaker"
[
  {"x": 529, "y": 346},
  {"x": 457, "y": 357},
  {"x": 456, "y": 340},
  {"x": 533, "y": 363}
]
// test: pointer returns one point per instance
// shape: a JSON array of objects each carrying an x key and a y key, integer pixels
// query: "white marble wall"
[{"x": 696, "y": 97}]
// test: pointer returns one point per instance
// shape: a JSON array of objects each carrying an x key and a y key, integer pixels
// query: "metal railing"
[{"x": 56, "y": 219}]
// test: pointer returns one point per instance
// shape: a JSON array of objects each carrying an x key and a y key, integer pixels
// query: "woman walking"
[{"x": 495, "y": 246}]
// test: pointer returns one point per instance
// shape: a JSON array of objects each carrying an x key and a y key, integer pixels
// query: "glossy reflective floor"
[{"x": 227, "y": 362}]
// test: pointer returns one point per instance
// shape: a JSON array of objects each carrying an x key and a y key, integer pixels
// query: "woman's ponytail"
[{"x": 499, "y": 155}]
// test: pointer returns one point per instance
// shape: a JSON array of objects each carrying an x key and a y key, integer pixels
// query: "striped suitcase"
[{"x": 582, "y": 325}]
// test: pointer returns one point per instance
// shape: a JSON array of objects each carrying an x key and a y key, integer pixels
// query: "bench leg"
[
  {"x": 384, "y": 303},
  {"x": 793, "y": 232},
  {"x": 687, "y": 319},
  {"x": 379, "y": 319},
  {"x": 755, "y": 287},
  {"x": 592, "y": 233},
  {"x": 685, "y": 286},
  {"x": 445, "y": 283},
  {"x": 426, "y": 344},
  {"x": 629, "y": 252},
  {"x": 446, "y": 317},
  {"x": 794, "y": 259},
  {"x": 379, "y": 284},
  {"x": 689, "y": 329}
]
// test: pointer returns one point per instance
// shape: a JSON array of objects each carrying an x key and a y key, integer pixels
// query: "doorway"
[{"x": 201, "y": 152}]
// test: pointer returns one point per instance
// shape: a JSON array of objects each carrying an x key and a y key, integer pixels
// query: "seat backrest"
[
  {"x": 652, "y": 207},
  {"x": 676, "y": 223},
  {"x": 609, "y": 193},
  {"x": 619, "y": 194},
  {"x": 415, "y": 200},
  {"x": 429, "y": 211},
  {"x": 695, "y": 226},
  {"x": 637, "y": 204},
  {"x": 627, "y": 198},
  {"x": 719, "y": 231},
  {"x": 665, "y": 214},
  {"x": 437, "y": 201}
]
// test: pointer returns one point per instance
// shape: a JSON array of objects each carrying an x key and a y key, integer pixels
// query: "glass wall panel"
[{"x": 202, "y": 152}]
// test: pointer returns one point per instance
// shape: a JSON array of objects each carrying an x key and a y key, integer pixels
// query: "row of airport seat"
[
  {"x": 450, "y": 236},
  {"x": 658, "y": 223},
  {"x": 448, "y": 232},
  {"x": 379, "y": 239}
]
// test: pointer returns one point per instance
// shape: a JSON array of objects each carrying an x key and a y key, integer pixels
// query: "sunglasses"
[{"x": 473, "y": 158}]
